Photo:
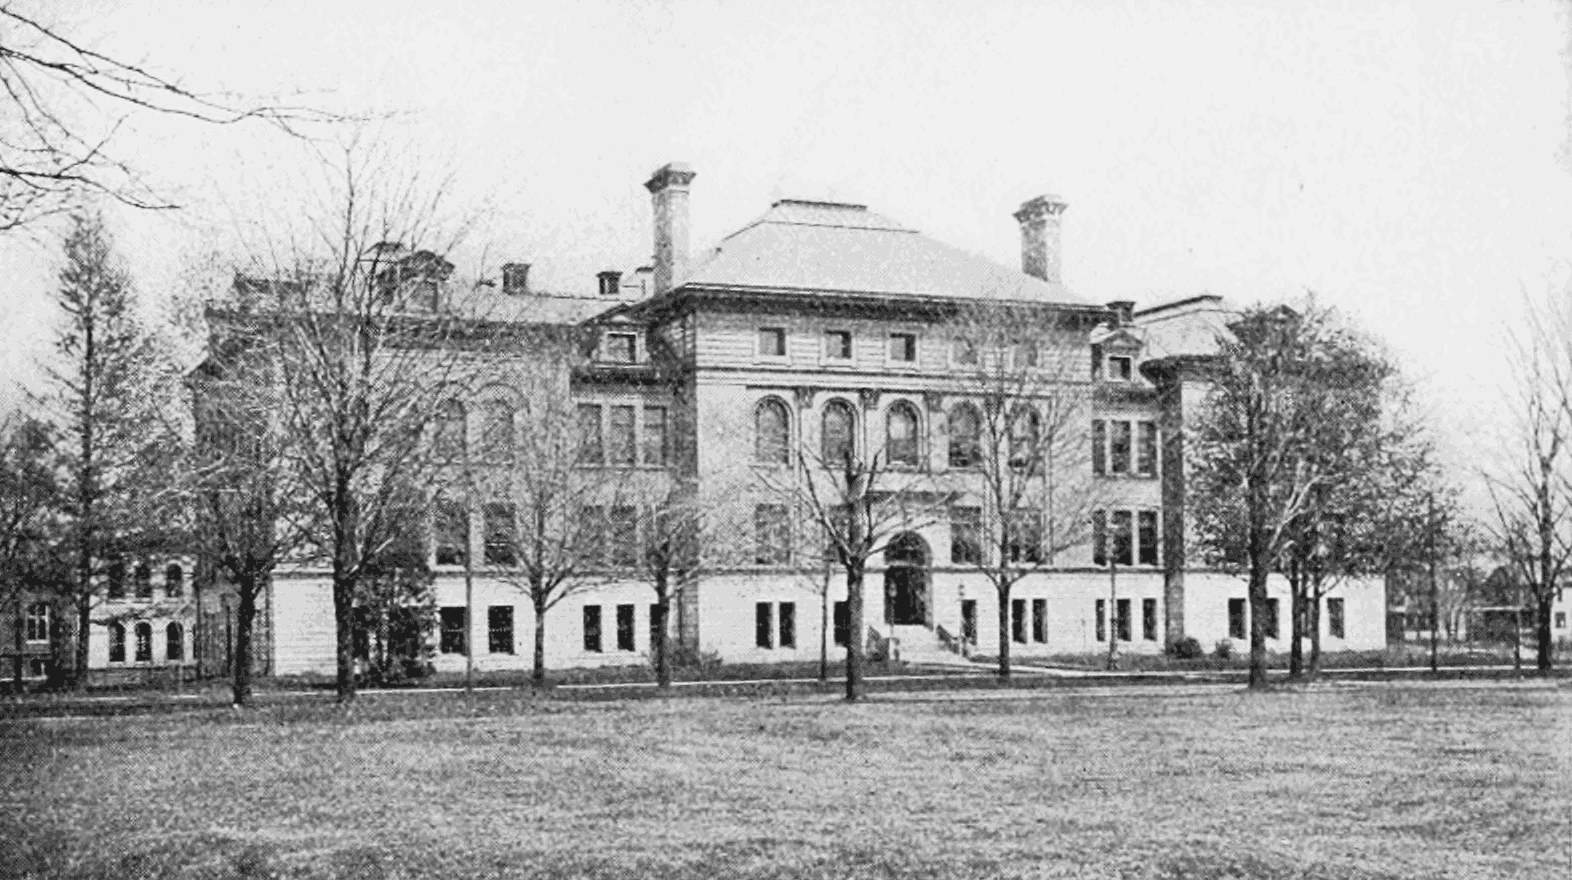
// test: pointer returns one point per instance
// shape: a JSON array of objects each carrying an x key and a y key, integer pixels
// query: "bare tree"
[
  {"x": 1021, "y": 439},
  {"x": 856, "y": 499},
  {"x": 672, "y": 537},
  {"x": 1531, "y": 487},
  {"x": 356, "y": 312},
  {"x": 66, "y": 103},
  {"x": 1279, "y": 380}
]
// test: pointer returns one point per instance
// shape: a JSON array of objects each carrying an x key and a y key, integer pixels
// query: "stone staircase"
[{"x": 921, "y": 646}]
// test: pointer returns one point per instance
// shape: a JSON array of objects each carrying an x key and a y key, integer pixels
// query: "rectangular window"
[
  {"x": 655, "y": 436},
  {"x": 786, "y": 624},
  {"x": 842, "y": 623},
  {"x": 590, "y": 542},
  {"x": 969, "y": 621},
  {"x": 1334, "y": 618},
  {"x": 772, "y": 535},
  {"x": 1026, "y": 536},
  {"x": 1146, "y": 450},
  {"x": 1099, "y": 446},
  {"x": 1123, "y": 613},
  {"x": 117, "y": 579},
  {"x": 1147, "y": 533},
  {"x": 1236, "y": 618},
  {"x": 174, "y": 643},
  {"x": 450, "y": 527},
  {"x": 1271, "y": 618},
  {"x": 625, "y": 624},
  {"x": 838, "y": 345},
  {"x": 452, "y": 638},
  {"x": 1119, "y": 448},
  {"x": 1040, "y": 621},
  {"x": 144, "y": 643},
  {"x": 1123, "y": 541},
  {"x": 1018, "y": 621},
  {"x": 772, "y": 342},
  {"x": 1149, "y": 619},
  {"x": 117, "y": 643},
  {"x": 903, "y": 347},
  {"x": 1561, "y": 617},
  {"x": 1120, "y": 368},
  {"x": 499, "y": 629},
  {"x": 592, "y": 628},
  {"x": 1099, "y": 537},
  {"x": 966, "y": 535},
  {"x": 621, "y": 348},
  {"x": 37, "y": 625},
  {"x": 502, "y": 541},
  {"x": 763, "y": 625},
  {"x": 1102, "y": 620},
  {"x": 964, "y": 353},
  {"x": 591, "y": 450},
  {"x": 144, "y": 581},
  {"x": 657, "y": 626},
  {"x": 622, "y": 449},
  {"x": 623, "y": 536}
]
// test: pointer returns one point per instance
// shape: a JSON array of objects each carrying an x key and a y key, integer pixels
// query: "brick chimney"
[
  {"x": 515, "y": 279},
  {"x": 668, "y": 188},
  {"x": 1039, "y": 219}
]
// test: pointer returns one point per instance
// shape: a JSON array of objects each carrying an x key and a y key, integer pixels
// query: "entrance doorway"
[{"x": 906, "y": 560}]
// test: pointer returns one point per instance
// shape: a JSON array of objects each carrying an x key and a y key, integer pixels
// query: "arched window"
[
  {"x": 900, "y": 434},
  {"x": 174, "y": 641},
  {"x": 117, "y": 643},
  {"x": 174, "y": 580},
  {"x": 144, "y": 642},
  {"x": 965, "y": 437},
  {"x": 496, "y": 434},
  {"x": 144, "y": 581},
  {"x": 1025, "y": 439},
  {"x": 447, "y": 439},
  {"x": 771, "y": 433},
  {"x": 838, "y": 440}
]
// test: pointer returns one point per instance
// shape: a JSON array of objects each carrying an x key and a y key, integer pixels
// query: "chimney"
[
  {"x": 1123, "y": 311},
  {"x": 1039, "y": 219},
  {"x": 668, "y": 188},
  {"x": 610, "y": 282},
  {"x": 515, "y": 279}
]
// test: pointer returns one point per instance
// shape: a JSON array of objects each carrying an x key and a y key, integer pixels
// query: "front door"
[{"x": 906, "y": 581}]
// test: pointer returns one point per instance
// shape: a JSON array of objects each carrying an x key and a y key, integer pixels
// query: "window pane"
[
  {"x": 655, "y": 436},
  {"x": 1099, "y": 447},
  {"x": 1271, "y": 618},
  {"x": 763, "y": 636},
  {"x": 144, "y": 582},
  {"x": 770, "y": 441},
  {"x": 965, "y": 352},
  {"x": 657, "y": 626},
  {"x": 591, "y": 451},
  {"x": 625, "y": 627},
  {"x": 592, "y": 628},
  {"x": 174, "y": 581},
  {"x": 621, "y": 348},
  {"x": 772, "y": 342},
  {"x": 1148, "y": 537},
  {"x": 1334, "y": 618},
  {"x": 786, "y": 627},
  {"x": 1025, "y": 428},
  {"x": 447, "y": 440},
  {"x": 1149, "y": 619},
  {"x": 1100, "y": 537},
  {"x": 1123, "y": 545},
  {"x": 901, "y": 435},
  {"x": 451, "y": 532},
  {"x": 622, "y": 440},
  {"x": 38, "y": 622},
  {"x": 590, "y": 542},
  {"x": 1125, "y": 633},
  {"x": 842, "y": 627},
  {"x": 1025, "y": 536},
  {"x": 1119, "y": 448},
  {"x": 966, "y": 535},
  {"x": 117, "y": 580},
  {"x": 144, "y": 642},
  {"x": 499, "y": 629},
  {"x": 969, "y": 621},
  {"x": 1236, "y": 618},
  {"x": 1146, "y": 459},
  {"x": 965, "y": 437},
  {"x": 1102, "y": 620},
  {"x": 1018, "y": 620},
  {"x": 452, "y": 639},
  {"x": 903, "y": 347},
  {"x": 174, "y": 642},
  {"x": 624, "y": 537},
  {"x": 838, "y": 434},
  {"x": 1040, "y": 620},
  {"x": 501, "y": 534},
  {"x": 838, "y": 344},
  {"x": 497, "y": 434},
  {"x": 117, "y": 643},
  {"x": 771, "y": 535}
]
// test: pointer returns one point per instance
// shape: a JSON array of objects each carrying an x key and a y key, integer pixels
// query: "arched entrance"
[{"x": 906, "y": 560}]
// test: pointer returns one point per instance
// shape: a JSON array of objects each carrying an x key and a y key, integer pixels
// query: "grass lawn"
[{"x": 1339, "y": 781}]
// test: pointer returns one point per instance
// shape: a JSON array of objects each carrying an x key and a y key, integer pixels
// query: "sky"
[{"x": 1407, "y": 162}]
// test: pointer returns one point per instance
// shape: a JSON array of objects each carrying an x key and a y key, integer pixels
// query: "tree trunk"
[
  {"x": 16, "y": 671},
  {"x": 1004, "y": 632},
  {"x": 1542, "y": 632},
  {"x": 1315, "y": 632},
  {"x": 538, "y": 671},
  {"x": 84, "y": 621},
  {"x": 244, "y": 625},
  {"x": 662, "y": 609},
  {"x": 1296, "y": 626},
  {"x": 1258, "y": 574},
  {"x": 824, "y": 628},
  {"x": 854, "y": 636}
]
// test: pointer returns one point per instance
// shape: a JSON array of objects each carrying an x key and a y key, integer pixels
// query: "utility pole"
[{"x": 1435, "y": 595}]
